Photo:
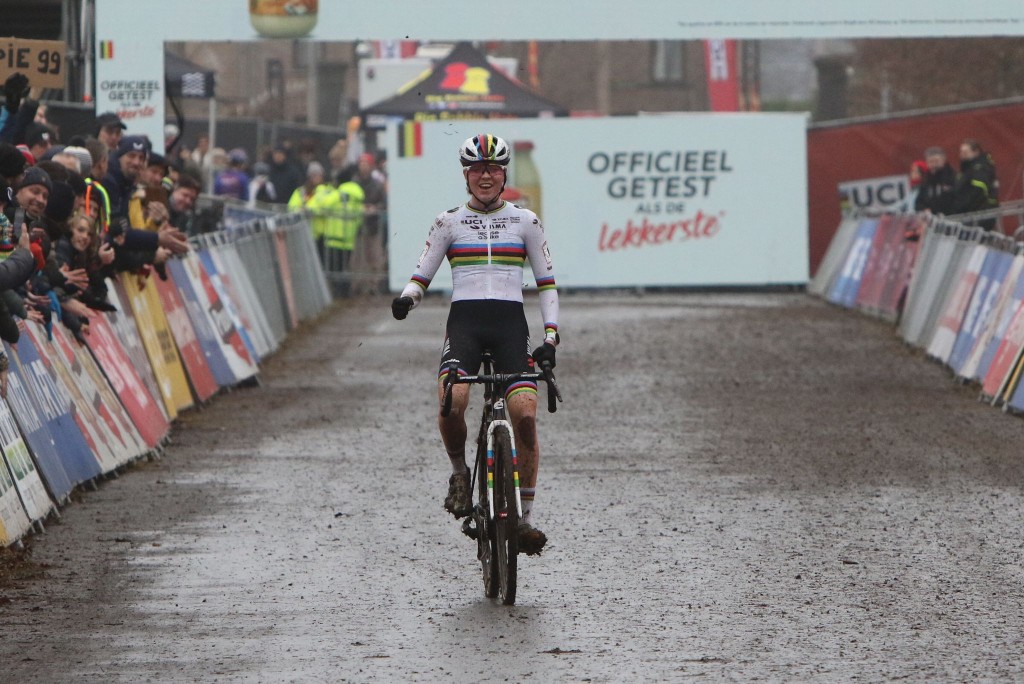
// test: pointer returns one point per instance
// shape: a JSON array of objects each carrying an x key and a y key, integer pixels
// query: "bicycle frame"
[
  {"x": 496, "y": 530},
  {"x": 498, "y": 420},
  {"x": 494, "y": 415}
]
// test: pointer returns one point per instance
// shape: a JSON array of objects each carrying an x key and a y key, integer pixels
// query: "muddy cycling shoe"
[
  {"x": 531, "y": 540},
  {"x": 459, "y": 501}
]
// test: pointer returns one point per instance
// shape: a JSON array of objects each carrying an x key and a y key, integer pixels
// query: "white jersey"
[{"x": 487, "y": 251}]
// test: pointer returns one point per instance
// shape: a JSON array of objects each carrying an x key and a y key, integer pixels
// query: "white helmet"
[{"x": 484, "y": 148}]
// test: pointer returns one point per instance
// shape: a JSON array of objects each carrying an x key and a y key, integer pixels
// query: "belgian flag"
[
  {"x": 106, "y": 49},
  {"x": 410, "y": 139}
]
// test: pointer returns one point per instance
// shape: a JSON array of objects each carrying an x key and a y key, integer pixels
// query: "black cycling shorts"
[{"x": 478, "y": 324}]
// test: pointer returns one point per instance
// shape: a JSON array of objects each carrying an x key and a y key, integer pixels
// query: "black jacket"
[
  {"x": 976, "y": 187},
  {"x": 120, "y": 190},
  {"x": 936, "y": 191}
]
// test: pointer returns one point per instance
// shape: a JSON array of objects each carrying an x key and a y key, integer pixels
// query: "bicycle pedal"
[{"x": 469, "y": 529}]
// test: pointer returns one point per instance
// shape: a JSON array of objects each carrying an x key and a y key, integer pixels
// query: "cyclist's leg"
[
  {"x": 453, "y": 426},
  {"x": 513, "y": 356},
  {"x": 462, "y": 348},
  {"x": 522, "y": 409}
]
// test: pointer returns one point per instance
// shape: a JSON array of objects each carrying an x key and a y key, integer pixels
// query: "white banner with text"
[{"x": 680, "y": 200}]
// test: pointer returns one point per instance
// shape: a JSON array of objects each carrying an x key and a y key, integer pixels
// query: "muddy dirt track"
[{"x": 739, "y": 486}]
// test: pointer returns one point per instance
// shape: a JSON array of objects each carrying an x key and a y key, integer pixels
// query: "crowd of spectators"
[
  {"x": 74, "y": 212},
  {"x": 344, "y": 191},
  {"x": 940, "y": 189}
]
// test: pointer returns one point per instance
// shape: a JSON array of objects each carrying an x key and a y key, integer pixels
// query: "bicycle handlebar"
[{"x": 501, "y": 379}]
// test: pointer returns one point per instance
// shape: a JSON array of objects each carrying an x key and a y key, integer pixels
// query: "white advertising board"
[
  {"x": 888, "y": 193},
  {"x": 138, "y": 53},
  {"x": 681, "y": 200},
  {"x": 593, "y": 20}
]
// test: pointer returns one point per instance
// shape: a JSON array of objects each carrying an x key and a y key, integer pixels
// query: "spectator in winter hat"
[
  {"x": 39, "y": 138},
  {"x": 83, "y": 157},
  {"x": 33, "y": 192},
  {"x": 134, "y": 143},
  {"x": 109, "y": 129}
]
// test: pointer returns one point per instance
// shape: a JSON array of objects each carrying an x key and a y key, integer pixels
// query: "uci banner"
[{"x": 673, "y": 200}]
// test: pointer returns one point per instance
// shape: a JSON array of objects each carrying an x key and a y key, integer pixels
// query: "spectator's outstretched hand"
[
  {"x": 106, "y": 254},
  {"x": 78, "y": 277},
  {"x": 173, "y": 240},
  {"x": 162, "y": 255},
  {"x": 25, "y": 239},
  {"x": 16, "y": 88},
  {"x": 78, "y": 308}
]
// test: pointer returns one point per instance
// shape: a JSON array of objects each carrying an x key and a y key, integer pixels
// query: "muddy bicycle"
[{"x": 498, "y": 508}]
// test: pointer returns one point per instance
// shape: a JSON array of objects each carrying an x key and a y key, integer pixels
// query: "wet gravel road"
[{"x": 739, "y": 486}]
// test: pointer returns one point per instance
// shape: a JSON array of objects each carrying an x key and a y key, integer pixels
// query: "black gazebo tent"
[
  {"x": 187, "y": 79},
  {"x": 464, "y": 85}
]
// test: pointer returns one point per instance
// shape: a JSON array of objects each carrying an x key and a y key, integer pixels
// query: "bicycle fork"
[{"x": 496, "y": 423}]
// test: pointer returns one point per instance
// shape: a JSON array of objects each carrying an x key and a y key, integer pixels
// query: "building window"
[{"x": 668, "y": 64}]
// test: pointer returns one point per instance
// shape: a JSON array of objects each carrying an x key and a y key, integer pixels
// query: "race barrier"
[
  {"x": 953, "y": 290},
  {"x": 74, "y": 413}
]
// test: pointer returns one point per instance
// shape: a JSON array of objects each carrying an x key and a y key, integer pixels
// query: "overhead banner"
[
  {"x": 130, "y": 63},
  {"x": 340, "y": 20},
  {"x": 674, "y": 200}
]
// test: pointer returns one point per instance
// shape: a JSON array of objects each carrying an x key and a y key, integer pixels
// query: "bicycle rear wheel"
[
  {"x": 506, "y": 523},
  {"x": 485, "y": 550}
]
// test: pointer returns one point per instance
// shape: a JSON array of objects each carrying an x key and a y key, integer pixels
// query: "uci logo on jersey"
[{"x": 475, "y": 223}]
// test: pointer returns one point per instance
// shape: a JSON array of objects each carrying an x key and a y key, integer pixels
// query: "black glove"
[
  {"x": 400, "y": 307},
  {"x": 545, "y": 353},
  {"x": 15, "y": 89}
]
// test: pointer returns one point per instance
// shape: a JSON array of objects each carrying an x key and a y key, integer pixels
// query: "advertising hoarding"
[{"x": 675, "y": 200}]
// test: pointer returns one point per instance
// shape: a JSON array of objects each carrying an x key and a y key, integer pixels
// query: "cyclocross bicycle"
[{"x": 498, "y": 509}]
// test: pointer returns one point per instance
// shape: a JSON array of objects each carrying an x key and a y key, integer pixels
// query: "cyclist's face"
[{"x": 485, "y": 180}]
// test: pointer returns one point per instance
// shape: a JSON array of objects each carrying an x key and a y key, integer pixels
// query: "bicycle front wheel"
[
  {"x": 486, "y": 548},
  {"x": 506, "y": 523}
]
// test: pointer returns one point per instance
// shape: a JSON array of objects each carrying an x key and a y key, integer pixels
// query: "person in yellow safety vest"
[
  {"x": 340, "y": 238},
  {"x": 320, "y": 199},
  {"x": 351, "y": 195}
]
